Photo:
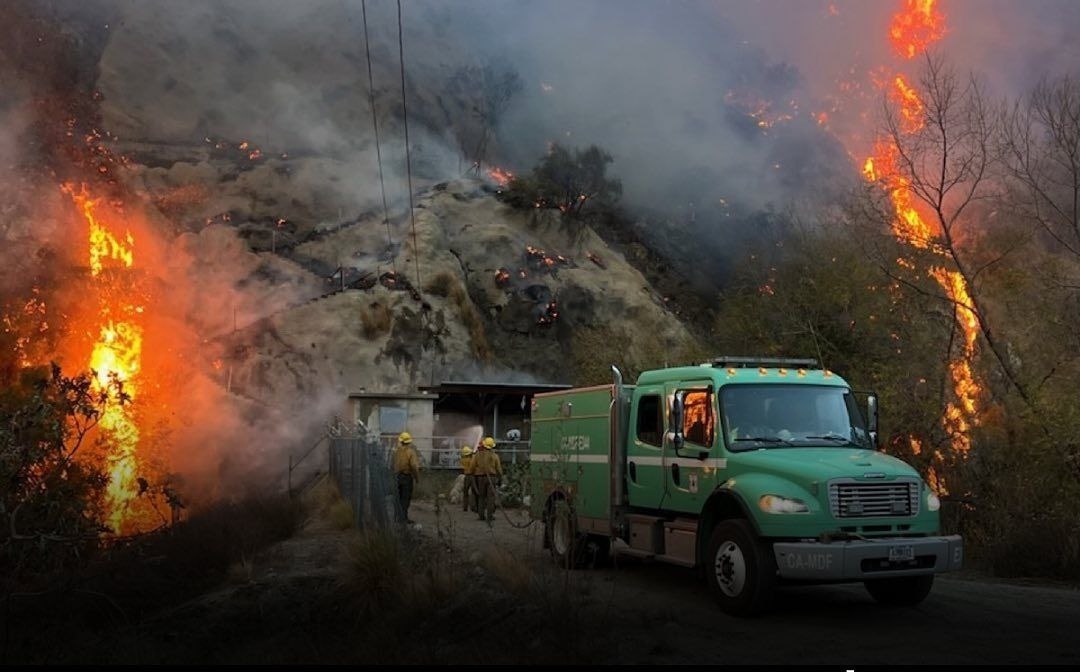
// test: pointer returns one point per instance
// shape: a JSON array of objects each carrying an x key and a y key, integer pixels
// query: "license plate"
[{"x": 901, "y": 553}]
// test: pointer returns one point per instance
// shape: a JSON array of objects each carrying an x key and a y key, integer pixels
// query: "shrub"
[{"x": 375, "y": 320}]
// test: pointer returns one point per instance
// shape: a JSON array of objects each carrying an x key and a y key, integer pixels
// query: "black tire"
[
  {"x": 567, "y": 545},
  {"x": 904, "y": 591},
  {"x": 597, "y": 551},
  {"x": 740, "y": 570}
]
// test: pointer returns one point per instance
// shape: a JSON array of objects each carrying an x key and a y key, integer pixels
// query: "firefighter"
[
  {"x": 406, "y": 465},
  {"x": 468, "y": 491},
  {"x": 487, "y": 471}
]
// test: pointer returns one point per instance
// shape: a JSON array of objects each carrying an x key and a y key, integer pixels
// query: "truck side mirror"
[
  {"x": 872, "y": 418},
  {"x": 677, "y": 420}
]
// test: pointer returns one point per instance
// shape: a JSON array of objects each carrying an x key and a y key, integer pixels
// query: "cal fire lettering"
[
  {"x": 578, "y": 443},
  {"x": 809, "y": 560}
]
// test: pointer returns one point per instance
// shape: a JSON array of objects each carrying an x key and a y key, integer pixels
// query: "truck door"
[
  {"x": 644, "y": 473},
  {"x": 691, "y": 475}
]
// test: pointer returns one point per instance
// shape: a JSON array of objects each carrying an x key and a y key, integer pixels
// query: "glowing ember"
[
  {"x": 500, "y": 176},
  {"x": 541, "y": 260},
  {"x": 550, "y": 314},
  {"x": 916, "y": 445}
]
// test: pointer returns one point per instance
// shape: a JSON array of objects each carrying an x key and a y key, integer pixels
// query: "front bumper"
[{"x": 868, "y": 559}]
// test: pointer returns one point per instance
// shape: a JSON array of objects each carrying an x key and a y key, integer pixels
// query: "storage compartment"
[
  {"x": 680, "y": 542},
  {"x": 646, "y": 533}
]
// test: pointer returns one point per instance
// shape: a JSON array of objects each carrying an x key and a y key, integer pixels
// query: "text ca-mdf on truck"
[{"x": 758, "y": 471}]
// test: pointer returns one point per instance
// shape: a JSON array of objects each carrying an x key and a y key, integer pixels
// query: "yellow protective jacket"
[
  {"x": 467, "y": 464},
  {"x": 406, "y": 461},
  {"x": 487, "y": 464}
]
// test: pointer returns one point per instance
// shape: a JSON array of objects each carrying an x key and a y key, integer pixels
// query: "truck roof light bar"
[{"x": 763, "y": 362}]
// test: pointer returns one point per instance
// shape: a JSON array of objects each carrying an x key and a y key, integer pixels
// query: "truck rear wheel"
[
  {"x": 566, "y": 543},
  {"x": 903, "y": 591},
  {"x": 740, "y": 569}
]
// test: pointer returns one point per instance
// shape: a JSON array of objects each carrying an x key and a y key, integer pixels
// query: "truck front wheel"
[
  {"x": 903, "y": 591},
  {"x": 740, "y": 570}
]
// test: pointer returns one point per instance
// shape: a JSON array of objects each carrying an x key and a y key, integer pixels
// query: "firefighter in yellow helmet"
[
  {"x": 487, "y": 470},
  {"x": 406, "y": 465},
  {"x": 468, "y": 492}
]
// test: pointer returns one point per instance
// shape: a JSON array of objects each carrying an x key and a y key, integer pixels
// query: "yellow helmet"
[
  {"x": 488, "y": 442},
  {"x": 466, "y": 451},
  {"x": 404, "y": 437}
]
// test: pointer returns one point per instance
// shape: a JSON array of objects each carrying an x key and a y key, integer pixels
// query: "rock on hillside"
[{"x": 382, "y": 334}]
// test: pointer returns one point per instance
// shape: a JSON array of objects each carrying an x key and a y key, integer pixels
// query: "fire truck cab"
[{"x": 758, "y": 471}]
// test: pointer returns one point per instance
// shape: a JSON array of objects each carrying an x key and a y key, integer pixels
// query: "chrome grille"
[{"x": 859, "y": 499}]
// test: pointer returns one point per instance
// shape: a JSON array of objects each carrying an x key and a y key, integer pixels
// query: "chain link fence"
[{"x": 361, "y": 468}]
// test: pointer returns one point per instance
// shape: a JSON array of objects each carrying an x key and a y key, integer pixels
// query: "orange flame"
[
  {"x": 909, "y": 226},
  {"x": 115, "y": 360},
  {"x": 911, "y": 106},
  {"x": 916, "y": 27},
  {"x": 913, "y": 29},
  {"x": 104, "y": 246}
]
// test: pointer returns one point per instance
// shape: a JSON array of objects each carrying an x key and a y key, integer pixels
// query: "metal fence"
[
  {"x": 361, "y": 469},
  {"x": 444, "y": 452}
]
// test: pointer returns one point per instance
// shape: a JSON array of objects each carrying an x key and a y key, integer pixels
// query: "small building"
[
  {"x": 499, "y": 410},
  {"x": 445, "y": 417}
]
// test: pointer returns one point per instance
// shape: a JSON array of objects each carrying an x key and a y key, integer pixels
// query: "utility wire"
[
  {"x": 378, "y": 150},
  {"x": 408, "y": 160}
]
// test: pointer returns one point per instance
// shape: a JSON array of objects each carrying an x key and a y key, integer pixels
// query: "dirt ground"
[
  {"x": 966, "y": 619},
  {"x": 286, "y": 605}
]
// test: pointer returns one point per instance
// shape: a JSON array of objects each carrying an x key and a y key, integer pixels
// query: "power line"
[
  {"x": 378, "y": 150},
  {"x": 408, "y": 159}
]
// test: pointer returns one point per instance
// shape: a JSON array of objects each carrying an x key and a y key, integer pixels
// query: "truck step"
[
  {"x": 683, "y": 524},
  {"x": 671, "y": 559},
  {"x": 635, "y": 553},
  {"x": 645, "y": 555},
  {"x": 680, "y": 542}
]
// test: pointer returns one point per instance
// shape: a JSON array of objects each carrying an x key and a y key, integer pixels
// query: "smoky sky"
[{"x": 669, "y": 87}]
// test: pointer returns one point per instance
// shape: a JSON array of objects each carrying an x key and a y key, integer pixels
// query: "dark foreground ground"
[{"x": 458, "y": 591}]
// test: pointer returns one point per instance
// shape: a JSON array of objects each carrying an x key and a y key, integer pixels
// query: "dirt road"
[{"x": 965, "y": 619}]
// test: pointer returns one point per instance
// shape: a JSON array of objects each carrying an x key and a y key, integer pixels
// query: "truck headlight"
[
  {"x": 778, "y": 504},
  {"x": 933, "y": 503}
]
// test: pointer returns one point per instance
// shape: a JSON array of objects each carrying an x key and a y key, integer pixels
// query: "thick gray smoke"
[
  {"x": 710, "y": 109},
  {"x": 714, "y": 112}
]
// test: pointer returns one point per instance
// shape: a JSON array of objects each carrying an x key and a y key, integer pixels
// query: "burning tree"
[
  {"x": 566, "y": 180},
  {"x": 939, "y": 157}
]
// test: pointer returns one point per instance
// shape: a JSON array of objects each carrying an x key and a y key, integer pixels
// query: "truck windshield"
[{"x": 783, "y": 416}]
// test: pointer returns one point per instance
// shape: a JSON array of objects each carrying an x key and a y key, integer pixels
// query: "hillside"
[{"x": 268, "y": 212}]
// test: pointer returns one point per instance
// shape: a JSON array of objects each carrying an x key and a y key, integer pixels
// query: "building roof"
[
  {"x": 481, "y": 387},
  {"x": 390, "y": 395}
]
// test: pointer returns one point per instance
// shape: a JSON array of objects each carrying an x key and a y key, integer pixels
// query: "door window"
[
  {"x": 650, "y": 424},
  {"x": 698, "y": 417}
]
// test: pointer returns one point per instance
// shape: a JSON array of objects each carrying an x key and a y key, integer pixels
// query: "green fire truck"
[{"x": 758, "y": 471}]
